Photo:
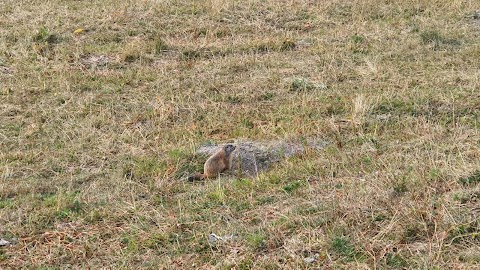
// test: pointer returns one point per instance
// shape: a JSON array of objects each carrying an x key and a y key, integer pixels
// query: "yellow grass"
[{"x": 98, "y": 130}]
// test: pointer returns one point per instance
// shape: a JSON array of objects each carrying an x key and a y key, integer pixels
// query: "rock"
[
  {"x": 476, "y": 15},
  {"x": 6, "y": 70},
  {"x": 95, "y": 61},
  {"x": 214, "y": 239},
  {"x": 4, "y": 243},
  {"x": 253, "y": 157},
  {"x": 311, "y": 259}
]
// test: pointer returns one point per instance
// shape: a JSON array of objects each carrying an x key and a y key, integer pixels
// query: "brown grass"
[{"x": 98, "y": 131}]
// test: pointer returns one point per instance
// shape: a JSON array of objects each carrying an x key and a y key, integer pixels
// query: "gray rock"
[
  {"x": 253, "y": 157},
  {"x": 95, "y": 61},
  {"x": 4, "y": 243},
  {"x": 476, "y": 15},
  {"x": 214, "y": 239},
  {"x": 311, "y": 259}
]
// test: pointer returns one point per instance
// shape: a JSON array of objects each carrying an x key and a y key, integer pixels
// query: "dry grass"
[{"x": 98, "y": 130}]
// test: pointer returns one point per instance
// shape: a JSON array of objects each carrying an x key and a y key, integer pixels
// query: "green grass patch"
[
  {"x": 345, "y": 249},
  {"x": 474, "y": 178},
  {"x": 257, "y": 241},
  {"x": 292, "y": 187},
  {"x": 437, "y": 39}
]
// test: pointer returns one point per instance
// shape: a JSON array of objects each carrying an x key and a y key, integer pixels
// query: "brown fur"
[{"x": 216, "y": 164}]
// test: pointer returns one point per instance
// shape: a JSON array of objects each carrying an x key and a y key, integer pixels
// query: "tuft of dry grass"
[{"x": 98, "y": 129}]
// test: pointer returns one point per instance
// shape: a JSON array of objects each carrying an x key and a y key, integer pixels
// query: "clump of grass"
[
  {"x": 44, "y": 35},
  {"x": 65, "y": 204},
  {"x": 464, "y": 231},
  {"x": 160, "y": 45},
  {"x": 190, "y": 54},
  {"x": 302, "y": 84},
  {"x": 396, "y": 261},
  {"x": 437, "y": 39},
  {"x": 471, "y": 179},
  {"x": 411, "y": 233},
  {"x": 156, "y": 241},
  {"x": 247, "y": 123},
  {"x": 288, "y": 45},
  {"x": 234, "y": 99},
  {"x": 292, "y": 187},
  {"x": 344, "y": 248},
  {"x": 400, "y": 187},
  {"x": 432, "y": 37},
  {"x": 130, "y": 242},
  {"x": 5, "y": 203},
  {"x": 130, "y": 55},
  {"x": 143, "y": 168},
  {"x": 267, "y": 96},
  {"x": 218, "y": 196},
  {"x": 263, "y": 47},
  {"x": 357, "y": 38},
  {"x": 257, "y": 240}
]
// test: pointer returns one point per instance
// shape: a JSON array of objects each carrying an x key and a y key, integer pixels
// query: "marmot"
[{"x": 216, "y": 164}]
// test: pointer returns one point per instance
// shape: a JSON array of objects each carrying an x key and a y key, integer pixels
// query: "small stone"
[
  {"x": 476, "y": 15},
  {"x": 6, "y": 70},
  {"x": 213, "y": 238},
  {"x": 4, "y": 243},
  {"x": 229, "y": 237},
  {"x": 311, "y": 259}
]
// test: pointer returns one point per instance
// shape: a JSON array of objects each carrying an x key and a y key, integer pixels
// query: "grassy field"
[{"x": 103, "y": 103}]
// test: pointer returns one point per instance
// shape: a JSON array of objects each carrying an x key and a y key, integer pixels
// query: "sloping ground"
[{"x": 104, "y": 103}]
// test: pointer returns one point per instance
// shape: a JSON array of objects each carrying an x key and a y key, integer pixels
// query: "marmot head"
[{"x": 229, "y": 148}]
